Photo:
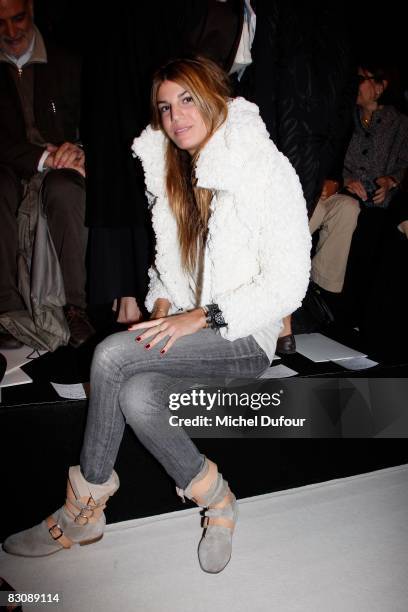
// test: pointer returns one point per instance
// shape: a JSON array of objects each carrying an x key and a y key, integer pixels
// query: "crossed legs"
[{"x": 131, "y": 384}]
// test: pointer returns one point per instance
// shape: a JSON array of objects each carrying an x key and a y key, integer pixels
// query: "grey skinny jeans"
[{"x": 130, "y": 384}]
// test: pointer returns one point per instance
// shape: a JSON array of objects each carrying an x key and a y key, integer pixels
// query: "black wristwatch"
[{"x": 214, "y": 316}]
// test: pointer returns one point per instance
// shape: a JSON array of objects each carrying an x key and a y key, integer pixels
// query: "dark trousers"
[
  {"x": 64, "y": 201},
  {"x": 375, "y": 287}
]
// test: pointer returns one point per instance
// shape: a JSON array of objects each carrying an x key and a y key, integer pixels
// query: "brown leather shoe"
[
  {"x": 79, "y": 325},
  {"x": 7, "y": 341},
  {"x": 286, "y": 345}
]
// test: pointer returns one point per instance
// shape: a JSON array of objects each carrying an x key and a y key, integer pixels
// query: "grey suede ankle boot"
[
  {"x": 80, "y": 520},
  {"x": 209, "y": 490}
]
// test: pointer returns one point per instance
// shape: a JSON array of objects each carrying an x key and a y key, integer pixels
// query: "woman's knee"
[
  {"x": 144, "y": 398},
  {"x": 346, "y": 210},
  {"x": 108, "y": 353},
  {"x": 350, "y": 203}
]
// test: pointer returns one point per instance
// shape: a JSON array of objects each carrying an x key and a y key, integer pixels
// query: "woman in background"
[{"x": 375, "y": 171}]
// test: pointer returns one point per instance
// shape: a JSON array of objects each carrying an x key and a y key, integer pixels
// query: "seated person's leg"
[
  {"x": 131, "y": 384},
  {"x": 10, "y": 197},
  {"x": 337, "y": 218},
  {"x": 403, "y": 227},
  {"x": 64, "y": 201},
  {"x": 286, "y": 344},
  {"x": 10, "y": 299}
]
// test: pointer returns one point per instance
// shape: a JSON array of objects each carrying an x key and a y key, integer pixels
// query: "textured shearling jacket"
[{"x": 257, "y": 255}]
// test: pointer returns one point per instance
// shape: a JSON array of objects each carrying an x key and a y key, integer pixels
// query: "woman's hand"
[
  {"x": 385, "y": 184},
  {"x": 129, "y": 311},
  {"x": 329, "y": 188},
  {"x": 173, "y": 327},
  {"x": 356, "y": 187}
]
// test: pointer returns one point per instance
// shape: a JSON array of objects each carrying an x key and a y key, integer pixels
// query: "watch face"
[{"x": 218, "y": 318}]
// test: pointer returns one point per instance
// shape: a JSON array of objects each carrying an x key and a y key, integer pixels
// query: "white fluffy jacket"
[{"x": 257, "y": 257}]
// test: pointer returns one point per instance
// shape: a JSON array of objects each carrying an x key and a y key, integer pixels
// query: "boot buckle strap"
[
  {"x": 221, "y": 521},
  {"x": 55, "y": 531},
  {"x": 81, "y": 519},
  {"x": 52, "y": 532},
  {"x": 218, "y": 516},
  {"x": 82, "y": 515}
]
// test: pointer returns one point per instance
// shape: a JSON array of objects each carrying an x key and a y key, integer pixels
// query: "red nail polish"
[
  {"x": 147, "y": 346},
  {"x": 162, "y": 351},
  {"x": 138, "y": 339}
]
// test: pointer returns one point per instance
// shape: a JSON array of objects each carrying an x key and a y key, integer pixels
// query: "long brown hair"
[{"x": 208, "y": 85}]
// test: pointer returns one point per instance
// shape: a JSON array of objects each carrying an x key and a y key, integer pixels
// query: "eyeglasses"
[{"x": 361, "y": 78}]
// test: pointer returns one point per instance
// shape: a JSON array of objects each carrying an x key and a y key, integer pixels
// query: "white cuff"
[{"x": 40, "y": 167}]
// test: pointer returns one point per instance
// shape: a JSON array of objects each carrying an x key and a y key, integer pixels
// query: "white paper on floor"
[
  {"x": 356, "y": 363},
  {"x": 75, "y": 391},
  {"x": 19, "y": 357},
  {"x": 15, "y": 377},
  {"x": 320, "y": 348},
  {"x": 279, "y": 371}
]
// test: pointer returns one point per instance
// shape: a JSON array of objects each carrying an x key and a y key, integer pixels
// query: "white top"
[{"x": 257, "y": 253}]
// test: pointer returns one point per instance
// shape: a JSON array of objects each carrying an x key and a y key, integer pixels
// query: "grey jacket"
[
  {"x": 42, "y": 325},
  {"x": 381, "y": 149}
]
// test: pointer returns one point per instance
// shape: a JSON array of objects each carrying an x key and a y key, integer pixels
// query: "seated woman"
[
  {"x": 374, "y": 165},
  {"x": 377, "y": 156},
  {"x": 374, "y": 170},
  {"x": 232, "y": 258}
]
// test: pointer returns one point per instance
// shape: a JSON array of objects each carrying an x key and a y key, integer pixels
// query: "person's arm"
[
  {"x": 156, "y": 292},
  {"x": 21, "y": 156},
  {"x": 160, "y": 309},
  {"x": 127, "y": 309},
  {"x": 392, "y": 180},
  {"x": 15, "y": 150}
]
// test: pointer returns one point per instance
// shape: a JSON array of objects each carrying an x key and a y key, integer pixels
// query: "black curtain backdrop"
[{"x": 74, "y": 23}]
